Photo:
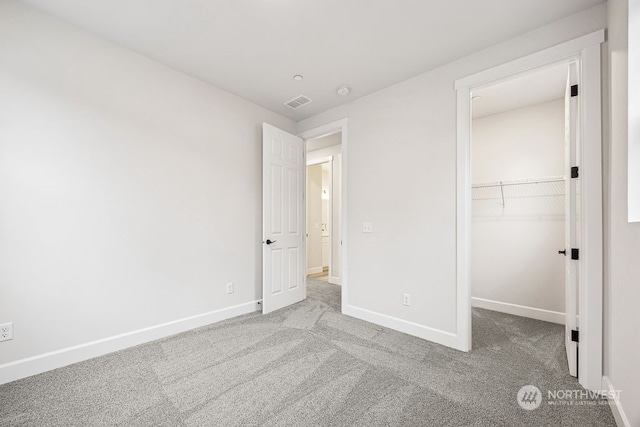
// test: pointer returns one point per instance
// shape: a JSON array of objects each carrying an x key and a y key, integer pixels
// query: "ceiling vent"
[{"x": 297, "y": 102}]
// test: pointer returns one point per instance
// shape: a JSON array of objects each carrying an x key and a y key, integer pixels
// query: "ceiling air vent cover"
[{"x": 297, "y": 102}]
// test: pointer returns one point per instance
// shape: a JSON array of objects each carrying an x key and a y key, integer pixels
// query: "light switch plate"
[{"x": 406, "y": 299}]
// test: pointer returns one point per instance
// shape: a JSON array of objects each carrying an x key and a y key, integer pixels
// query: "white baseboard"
[
  {"x": 314, "y": 270},
  {"x": 430, "y": 334},
  {"x": 614, "y": 403},
  {"x": 334, "y": 280},
  {"x": 56, "y": 359},
  {"x": 519, "y": 310}
]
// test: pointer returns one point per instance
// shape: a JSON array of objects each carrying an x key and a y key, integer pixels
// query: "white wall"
[
  {"x": 131, "y": 193},
  {"x": 622, "y": 239},
  {"x": 514, "y": 248},
  {"x": 519, "y": 144},
  {"x": 409, "y": 132},
  {"x": 314, "y": 219}
]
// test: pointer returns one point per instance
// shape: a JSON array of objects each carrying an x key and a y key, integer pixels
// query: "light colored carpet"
[{"x": 308, "y": 365}]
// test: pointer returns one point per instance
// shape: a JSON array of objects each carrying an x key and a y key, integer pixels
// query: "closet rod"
[{"x": 510, "y": 183}]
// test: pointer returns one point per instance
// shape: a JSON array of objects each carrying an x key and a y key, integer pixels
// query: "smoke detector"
[{"x": 343, "y": 90}]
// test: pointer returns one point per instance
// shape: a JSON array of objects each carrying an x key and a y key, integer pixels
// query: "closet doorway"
[
  {"x": 585, "y": 53},
  {"x": 522, "y": 210}
]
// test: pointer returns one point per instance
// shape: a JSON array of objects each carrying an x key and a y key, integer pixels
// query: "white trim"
[
  {"x": 331, "y": 151},
  {"x": 328, "y": 129},
  {"x": 614, "y": 403},
  {"x": 632, "y": 139},
  {"x": 334, "y": 280},
  {"x": 585, "y": 49},
  {"x": 430, "y": 334},
  {"x": 56, "y": 359},
  {"x": 319, "y": 161},
  {"x": 591, "y": 267},
  {"x": 325, "y": 130},
  {"x": 314, "y": 270},
  {"x": 304, "y": 215},
  {"x": 530, "y": 62},
  {"x": 519, "y": 310},
  {"x": 463, "y": 220},
  {"x": 330, "y": 219}
]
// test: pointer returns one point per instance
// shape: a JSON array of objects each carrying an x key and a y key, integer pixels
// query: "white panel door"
[
  {"x": 283, "y": 252},
  {"x": 572, "y": 217}
]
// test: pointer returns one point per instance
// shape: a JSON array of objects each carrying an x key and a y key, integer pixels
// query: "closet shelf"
[
  {"x": 520, "y": 182},
  {"x": 533, "y": 187}
]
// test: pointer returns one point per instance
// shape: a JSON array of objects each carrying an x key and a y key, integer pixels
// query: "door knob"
[
  {"x": 268, "y": 242},
  {"x": 563, "y": 252}
]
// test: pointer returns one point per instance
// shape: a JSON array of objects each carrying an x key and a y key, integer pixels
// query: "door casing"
[
  {"x": 318, "y": 132},
  {"x": 586, "y": 51}
]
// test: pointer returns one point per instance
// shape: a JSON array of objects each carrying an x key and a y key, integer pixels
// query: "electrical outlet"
[
  {"x": 230, "y": 287},
  {"x": 367, "y": 227},
  {"x": 6, "y": 331},
  {"x": 406, "y": 299}
]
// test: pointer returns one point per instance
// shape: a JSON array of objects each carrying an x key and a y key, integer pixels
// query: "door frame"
[
  {"x": 585, "y": 50},
  {"x": 572, "y": 229},
  {"x": 320, "y": 161},
  {"x": 318, "y": 132}
]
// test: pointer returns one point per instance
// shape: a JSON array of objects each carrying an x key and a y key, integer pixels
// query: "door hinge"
[
  {"x": 575, "y": 336},
  {"x": 575, "y": 253},
  {"x": 574, "y": 90},
  {"x": 575, "y": 171}
]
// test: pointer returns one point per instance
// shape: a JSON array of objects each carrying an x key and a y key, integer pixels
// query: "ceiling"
[
  {"x": 253, "y": 48},
  {"x": 530, "y": 89}
]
